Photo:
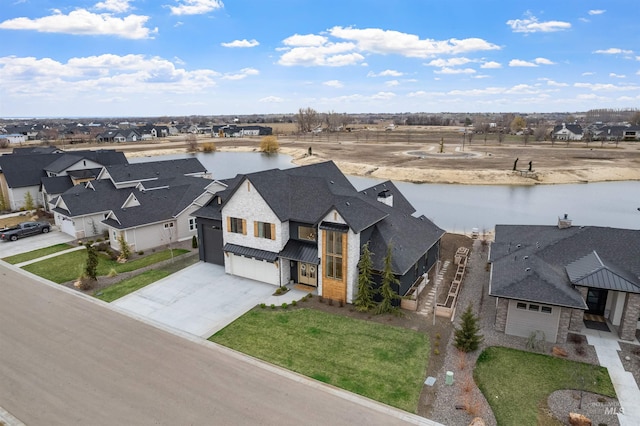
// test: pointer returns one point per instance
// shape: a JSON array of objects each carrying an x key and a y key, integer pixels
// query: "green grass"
[
  {"x": 35, "y": 254},
  {"x": 68, "y": 267},
  {"x": 384, "y": 363},
  {"x": 517, "y": 383},
  {"x": 130, "y": 285}
]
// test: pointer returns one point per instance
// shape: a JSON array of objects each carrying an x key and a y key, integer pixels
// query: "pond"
[{"x": 458, "y": 208}]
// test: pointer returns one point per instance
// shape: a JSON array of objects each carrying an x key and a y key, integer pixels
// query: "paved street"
[{"x": 66, "y": 359}]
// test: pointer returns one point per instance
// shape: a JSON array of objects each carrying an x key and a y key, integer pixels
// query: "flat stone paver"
[{"x": 199, "y": 300}]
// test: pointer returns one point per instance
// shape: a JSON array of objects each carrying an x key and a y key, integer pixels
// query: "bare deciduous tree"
[{"x": 307, "y": 119}]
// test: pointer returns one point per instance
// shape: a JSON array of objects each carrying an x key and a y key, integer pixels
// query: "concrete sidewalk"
[{"x": 606, "y": 346}]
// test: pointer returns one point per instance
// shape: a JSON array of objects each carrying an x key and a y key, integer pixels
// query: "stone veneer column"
[
  {"x": 577, "y": 320},
  {"x": 563, "y": 325},
  {"x": 501, "y": 314},
  {"x": 630, "y": 314}
]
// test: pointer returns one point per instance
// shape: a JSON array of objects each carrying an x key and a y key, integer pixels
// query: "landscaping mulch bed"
[
  {"x": 601, "y": 410},
  {"x": 630, "y": 357}
]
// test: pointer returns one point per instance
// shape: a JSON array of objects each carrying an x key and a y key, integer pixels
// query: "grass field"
[
  {"x": 516, "y": 383},
  {"x": 35, "y": 254},
  {"x": 68, "y": 267},
  {"x": 381, "y": 362},
  {"x": 130, "y": 285}
]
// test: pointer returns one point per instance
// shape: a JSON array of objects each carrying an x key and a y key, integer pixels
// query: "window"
[
  {"x": 192, "y": 224},
  {"x": 236, "y": 225},
  {"x": 545, "y": 309},
  {"x": 520, "y": 305},
  {"x": 534, "y": 308},
  {"x": 264, "y": 230},
  {"x": 168, "y": 225},
  {"x": 306, "y": 233},
  {"x": 333, "y": 255}
]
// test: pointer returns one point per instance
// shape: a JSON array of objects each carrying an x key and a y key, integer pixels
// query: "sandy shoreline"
[{"x": 450, "y": 176}]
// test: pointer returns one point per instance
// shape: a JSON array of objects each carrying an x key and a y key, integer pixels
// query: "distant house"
[
  {"x": 568, "y": 132},
  {"x": 616, "y": 133},
  {"x": 550, "y": 280},
  {"x": 122, "y": 135},
  {"x": 22, "y": 172},
  {"x": 14, "y": 138},
  {"x": 308, "y": 225},
  {"x": 233, "y": 131}
]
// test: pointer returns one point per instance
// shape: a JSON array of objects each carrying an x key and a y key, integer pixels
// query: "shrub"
[
  {"x": 112, "y": 273},
  {"x": 294, "y": 303},
  {"x": 141, "y": 252},
  {"x": 273, "y": 306},
  {"x": 263, "y": 305},
  {"x": 99, "y": 240},
  {"x": 269, "y": 144},
  {"x": 284, "y": 305},
  {"x": 194, "y": 242},
  {"x": 436, "y": 351},
  {"x": 209, "y": 147}
]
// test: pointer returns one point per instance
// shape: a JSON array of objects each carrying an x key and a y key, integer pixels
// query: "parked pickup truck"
[{"x": 24, "y": 229}]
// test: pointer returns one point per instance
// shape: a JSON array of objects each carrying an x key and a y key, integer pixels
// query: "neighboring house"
[
  {"x": 22, "y": 171},
  {"x": 14, "y": 138},
  {"x": 233, "y": 131},
  {"x": 616, "y": 133},
  {"x": 308, "y": 225},
  {"x": 81, "y": 210},
  {"x": 567, "y": 132},
  {"x": 548, "y": 280},
  {"x": 122, "y": 135}
]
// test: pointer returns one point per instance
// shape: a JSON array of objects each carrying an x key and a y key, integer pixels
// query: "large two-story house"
[{"x": 308, "y": 225}]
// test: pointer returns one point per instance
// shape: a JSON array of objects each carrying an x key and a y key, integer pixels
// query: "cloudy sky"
[{"x": 184, "y": 57}]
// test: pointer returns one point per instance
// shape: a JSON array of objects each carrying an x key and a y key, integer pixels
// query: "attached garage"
[
  {"x": 255, "y": 264},
  {"x": 524, "y": 318}
]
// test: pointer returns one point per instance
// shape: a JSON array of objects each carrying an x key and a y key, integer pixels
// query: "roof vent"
[
  {"x": 527, "y": 269},
  {"x": 331, "y": 182},
  {"x": 525, "y": 258},
  {"x": 347, "y": 203},
  {"x": 564, "y": 222}
]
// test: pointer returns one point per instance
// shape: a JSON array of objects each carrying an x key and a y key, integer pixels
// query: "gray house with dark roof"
[
  {"x": 308, "y": 225},
  {"x": 551, "y": 280},
  {"x": 567, "y": 132},
  {"x": 22, "y": 172},
  {"x": 132, "y": 199}
]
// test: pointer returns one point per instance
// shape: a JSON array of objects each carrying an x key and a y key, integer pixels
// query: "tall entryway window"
[
  {"x": 596, "y": 301},
  {"x": 308, "y": 274}
]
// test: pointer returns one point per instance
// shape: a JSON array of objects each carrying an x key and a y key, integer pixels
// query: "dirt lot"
[{"x": 413, "y": 154}]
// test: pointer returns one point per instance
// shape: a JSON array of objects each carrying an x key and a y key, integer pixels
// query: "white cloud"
[
  {"x": 392, "y": 83},
  {"x": 306, "y": 40},
  {"x": 383, "y": 96},
  {"x": 491, "y": 65},
  {"x": 243, "y": 73},
  {"x": 531, "y": 25},
  {"x": 83, "y": 22},
  {"x": 606, "y": 87},
  {"x": 117, "y": 6},
  {"x": 614, "y": 75},
  {"x": 447, "y": 70},
  {"x": 271, "y": 99},
  {"x": 521, "y": 63},
  {"x": 587, "y": 73},
  {"x": 97, "y": 77},
  {"x": 423, "y": 94},
  {"x": 385, "y": 73},
  {"x": 481, "y": 76},
  {"x": 195, "y": 7},
  {"x": 554, "y": 83},
  {"x": 241, "y": 43},
  {"x": 333, "y": 83},
  {"x": 613, "y": 51},
  {"x": 329, "y": 54},
  {"x": 451, "y": 62},
  {"x": 543, "y": 61},
  {"x": 596, "y": 12},
  {"x": 385, "y": 42}
]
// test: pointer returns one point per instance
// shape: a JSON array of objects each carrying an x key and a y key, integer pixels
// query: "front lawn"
[
  {"x": 381, "y": 362},
  {"x": 130, "y": 285},
  {"x": 35, "y": 254},
  {"x": 68, "y": 267},
  {"x": 517, "y": 383}
]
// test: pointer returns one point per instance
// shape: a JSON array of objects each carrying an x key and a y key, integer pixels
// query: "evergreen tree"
[
  {"x": 467, "y": 337},
  {"x": 91, "y": 267},
  {"x": 3, "y": 205},
  {"x": 125, "y": 251},
  {"x": 386, "y": 289},
  {"x": 28, "y": 201},
  {"x": 364, "y": 300}
]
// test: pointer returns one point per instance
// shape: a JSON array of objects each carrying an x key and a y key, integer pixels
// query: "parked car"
[{"x": 24, "y": 229}]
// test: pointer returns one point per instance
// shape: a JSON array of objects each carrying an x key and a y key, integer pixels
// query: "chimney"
[
  {"x": 564, "y": 222},
  {"x": 385, "y": 197}
]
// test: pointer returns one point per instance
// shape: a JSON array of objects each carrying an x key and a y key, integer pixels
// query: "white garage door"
[
  {"x": 258, "y": 270},
  {"x": 525, "y": 318},
  {"x": 67, "y": 227}
]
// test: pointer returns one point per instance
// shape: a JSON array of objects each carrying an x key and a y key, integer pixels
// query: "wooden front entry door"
[{"x": 308, "y": 274}]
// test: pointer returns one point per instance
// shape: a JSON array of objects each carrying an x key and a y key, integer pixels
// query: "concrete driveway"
[
  {"x": 34, "y": 242},
  {"x": 200, "y": 299}
]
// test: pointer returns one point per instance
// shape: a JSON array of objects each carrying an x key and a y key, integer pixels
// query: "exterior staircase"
[{"x": 428, "y": 303}]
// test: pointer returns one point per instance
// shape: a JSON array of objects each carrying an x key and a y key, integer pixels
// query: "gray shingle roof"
[
  {"x": 549, "y": 251},
  {"x": 135, "y": 172},
  {"x": 56, "y": 185}
]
